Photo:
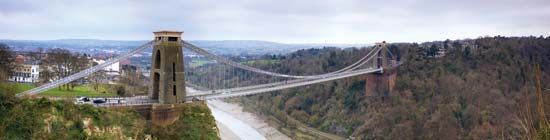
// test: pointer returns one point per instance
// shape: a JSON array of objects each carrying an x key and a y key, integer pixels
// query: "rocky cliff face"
[{"x": 380, "y": 84}]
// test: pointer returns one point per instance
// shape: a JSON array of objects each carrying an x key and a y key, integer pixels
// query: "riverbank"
[{"x": 243, "y": 125}]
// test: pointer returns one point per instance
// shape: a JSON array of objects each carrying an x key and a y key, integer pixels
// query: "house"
[
  {"x": 26, "y": 72},
  {"x": 111, "y": 70}
]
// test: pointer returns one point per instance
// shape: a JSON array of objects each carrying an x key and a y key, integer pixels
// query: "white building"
[
  {"x": 28, "y": 72},
  {"x": 111, "y": 70}
]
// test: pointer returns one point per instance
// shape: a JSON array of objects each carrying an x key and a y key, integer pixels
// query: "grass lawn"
[
  {"x": 81, "y": 90},
  {"x": 198, "y": 62},
  {"x": 262, "y": 62},
  {"x": 20, "y": 87}
]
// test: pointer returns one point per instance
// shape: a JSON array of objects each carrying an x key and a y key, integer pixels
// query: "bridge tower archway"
[
  {"x": 156, "y": 86},
  {"x": 167, "y": 72},
  {"x": 157, "y": 60}
]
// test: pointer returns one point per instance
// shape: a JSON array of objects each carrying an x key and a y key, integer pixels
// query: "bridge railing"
[{"x": 108, "y": 101}]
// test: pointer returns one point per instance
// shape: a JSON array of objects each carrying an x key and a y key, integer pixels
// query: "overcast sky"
[{"x": 285, "y": 21}]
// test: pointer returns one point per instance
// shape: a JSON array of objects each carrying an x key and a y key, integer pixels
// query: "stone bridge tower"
[
  {"x": 167, "y": 75},
  {"x": 381, "y": 84}
]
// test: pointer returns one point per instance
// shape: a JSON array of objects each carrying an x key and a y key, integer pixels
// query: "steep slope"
[
  {"x": 45, "y": 119},
  {"x": 476, "y": 89}
]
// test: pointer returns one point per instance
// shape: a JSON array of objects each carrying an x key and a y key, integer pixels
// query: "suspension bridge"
[{"x": 173, "y": 82}]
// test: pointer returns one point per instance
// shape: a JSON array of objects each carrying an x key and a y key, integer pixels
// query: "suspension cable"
[
  {"x": 245, "y": 67},
  {"x": 85, "y": 72}
]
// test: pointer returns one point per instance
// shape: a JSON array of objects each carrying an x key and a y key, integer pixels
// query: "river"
[{"x": 235, "y": 124}]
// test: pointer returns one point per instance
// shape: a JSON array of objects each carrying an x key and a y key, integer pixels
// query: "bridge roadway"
[
  {"x": 249, "y": 90},
  {"x": 198, "y": 50},
  {"x": 241, "y": 91},
  {"x": 206, "y": 93},
  {"x": 350, "y": 70}
]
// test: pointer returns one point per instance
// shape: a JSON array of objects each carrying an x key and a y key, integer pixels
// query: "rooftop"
[
  {"x": 167, "y": 32},
  {"x": 166, "y": 35},
  {"x": 33, "y": 62}
]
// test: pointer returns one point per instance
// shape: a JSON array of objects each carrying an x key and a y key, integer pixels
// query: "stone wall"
[{"x": 380, "y": 84}]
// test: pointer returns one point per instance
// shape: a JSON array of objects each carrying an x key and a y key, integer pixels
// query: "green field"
[
  {"x": 20, "y": 87},
  {"x": 261, "y": 62},
  {"x": 81, "y": 90},
  {"x": 198, "y": 62}
]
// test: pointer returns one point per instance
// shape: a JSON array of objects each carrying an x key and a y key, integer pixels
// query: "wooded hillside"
[{"x": 479, "y": 89}]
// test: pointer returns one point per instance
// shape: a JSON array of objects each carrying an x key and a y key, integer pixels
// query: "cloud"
[{"x": 320, "y": 21}]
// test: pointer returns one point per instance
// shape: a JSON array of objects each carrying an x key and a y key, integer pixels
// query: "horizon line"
[{"x": 127, "y": 40}]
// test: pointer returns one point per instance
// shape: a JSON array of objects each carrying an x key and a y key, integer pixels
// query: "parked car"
[
  {"x": 122, "y": 101},
  {"x": 100, "y": 101},
  {"x": 83, "y": 100}
]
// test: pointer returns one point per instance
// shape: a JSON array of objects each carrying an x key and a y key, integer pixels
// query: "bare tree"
[
  {"x": 78, "y": 62},
  {"x": 6, "y": 61},
  {"x": 132, "y": 80},
  {"x": 45, "y": 73},
  {"x": 534, "y": 121},
  {"x": 63, "y": 64},
  {"x": 38, "y": 54},
  {"x": 97, "y": 77}
]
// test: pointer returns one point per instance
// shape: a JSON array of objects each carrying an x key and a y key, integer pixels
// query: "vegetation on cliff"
[
  {"x": 195, "y": 123},
  {"x": 46, "y": 119},
  {"x": 477, "y": 89}
]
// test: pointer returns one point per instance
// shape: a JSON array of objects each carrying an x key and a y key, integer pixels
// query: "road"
[{"x": 243, "y": 91}]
